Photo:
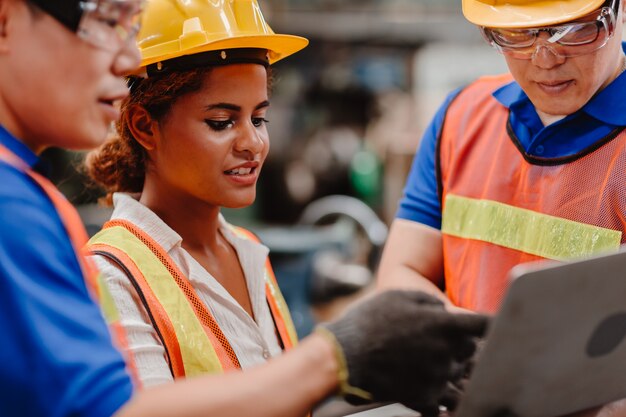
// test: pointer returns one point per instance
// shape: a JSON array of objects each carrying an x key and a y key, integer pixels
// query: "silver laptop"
[{"x": 557, "y": 345}]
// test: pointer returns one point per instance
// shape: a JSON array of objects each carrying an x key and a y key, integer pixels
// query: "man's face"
[
  {"x": 560, "y": 86},
  {"x": 55, "y": 88}
]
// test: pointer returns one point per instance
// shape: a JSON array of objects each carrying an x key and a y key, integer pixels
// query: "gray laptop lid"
[{"x": 557, "y": 344}]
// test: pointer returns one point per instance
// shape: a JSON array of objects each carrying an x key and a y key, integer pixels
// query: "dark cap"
[
  {"x": 68, "y": 12},
  {"x": 209, "y": 59}
]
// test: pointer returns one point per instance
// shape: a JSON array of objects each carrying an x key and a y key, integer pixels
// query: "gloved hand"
[{"x": 403, "y": 346}]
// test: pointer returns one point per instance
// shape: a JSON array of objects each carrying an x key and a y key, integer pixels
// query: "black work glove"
[
  {"x": 403, "y": 346},
  {"x": 460, "y": 376}
]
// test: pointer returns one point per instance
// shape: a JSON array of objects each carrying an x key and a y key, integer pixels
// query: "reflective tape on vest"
[
  {"x": 525, "y": 230},
  {"x": 198, "y": 353},
  {"x": 190, "y": 334}
]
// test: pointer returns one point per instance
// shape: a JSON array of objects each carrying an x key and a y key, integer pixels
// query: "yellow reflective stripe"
[
  {"x": 196, "y": 349},
  {"x": 525, "y": 230},
  {"x": 107, "y": 305},
  {"x": 282, "y": 306}
]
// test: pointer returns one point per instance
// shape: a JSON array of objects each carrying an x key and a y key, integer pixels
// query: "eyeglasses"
[
  {"x": 109, "y": 24},
  {"x": 576, "y": 38}
]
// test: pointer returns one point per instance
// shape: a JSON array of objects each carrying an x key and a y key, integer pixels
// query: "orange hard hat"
[{"x": 526, "y": 13}]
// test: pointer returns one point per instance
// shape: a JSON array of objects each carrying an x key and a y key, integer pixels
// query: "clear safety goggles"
[
  {"x": 580, "y": 37},
  {"x": 110, "y": 24}
]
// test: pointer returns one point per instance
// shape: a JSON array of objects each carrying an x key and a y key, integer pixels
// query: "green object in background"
[{"x": 366, "y": 176}]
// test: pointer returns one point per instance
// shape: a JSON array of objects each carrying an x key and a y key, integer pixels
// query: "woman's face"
[{"x": 212, "y": 143}]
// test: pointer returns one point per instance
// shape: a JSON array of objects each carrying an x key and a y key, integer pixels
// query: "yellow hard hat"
[
  {"x": 176, "y": 28},
  {"x": 526, "y": 13}
]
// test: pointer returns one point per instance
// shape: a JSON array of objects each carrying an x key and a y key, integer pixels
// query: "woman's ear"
[{"x": 142, "y": 126}]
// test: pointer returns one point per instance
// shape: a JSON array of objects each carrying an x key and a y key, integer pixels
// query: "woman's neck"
[{"x": 194, "y": 220}]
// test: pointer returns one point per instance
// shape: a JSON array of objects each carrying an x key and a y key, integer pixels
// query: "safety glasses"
[
  {"x": 576, "y": 38},
  {"x": 109, "y": 24}
]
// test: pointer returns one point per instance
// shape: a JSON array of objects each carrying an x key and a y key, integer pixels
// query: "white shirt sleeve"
[{"x": 143, "y": 343}]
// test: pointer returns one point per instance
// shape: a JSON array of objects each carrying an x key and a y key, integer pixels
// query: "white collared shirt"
[{"x": 253, "y": 342}]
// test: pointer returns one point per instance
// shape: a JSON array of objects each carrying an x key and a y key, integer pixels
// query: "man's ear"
[
  {"x": 143, "y": 126},
  {"x": 622, "y": 10}
]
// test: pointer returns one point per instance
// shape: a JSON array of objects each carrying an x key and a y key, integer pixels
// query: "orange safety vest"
[
  {"x": 192, "y": 339},
  {"x": 78, "y": 237},
  {"x": 501, "y": 207}
]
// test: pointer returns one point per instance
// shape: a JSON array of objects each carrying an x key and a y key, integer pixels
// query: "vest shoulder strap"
[
  {"x": 203, "y": 346},
  {"x": 276, "y": 301}
]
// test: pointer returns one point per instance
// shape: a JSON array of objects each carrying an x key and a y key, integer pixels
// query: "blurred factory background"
[{"x": 346, "y": 119}]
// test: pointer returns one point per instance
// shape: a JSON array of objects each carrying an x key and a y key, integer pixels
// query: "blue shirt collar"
[
  {"x": 510, "y": 94},
  {"x": 18, "y": 147},
  {"x": 608, "y": 106}
]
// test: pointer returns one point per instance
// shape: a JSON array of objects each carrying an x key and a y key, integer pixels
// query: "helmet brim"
[
  {"x": 278, "y": 46},
  {"x": 516, "y": 14}
]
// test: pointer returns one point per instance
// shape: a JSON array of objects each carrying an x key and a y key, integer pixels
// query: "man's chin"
[
  {"x": 548, "y": 119},
  {"x": 556, "y": 110}
]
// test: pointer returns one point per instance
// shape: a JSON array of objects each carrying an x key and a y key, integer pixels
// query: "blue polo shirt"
[
  {"x": 602, "y": 114},
  {"x": 56, "y": 355}
]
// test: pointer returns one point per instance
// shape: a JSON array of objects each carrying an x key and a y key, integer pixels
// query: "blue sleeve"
[
  {"x": 420, "y": 202},
  {"x": 57, "y": 357}
]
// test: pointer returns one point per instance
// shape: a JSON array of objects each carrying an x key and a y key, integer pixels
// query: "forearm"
[
  {"x": 402, "y": 276},
  {"x": 286, "y": 386},
  {"x": 412, "y": 259}
]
